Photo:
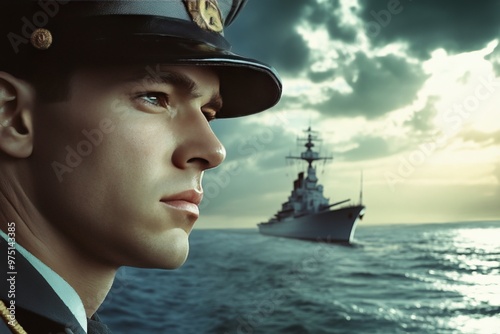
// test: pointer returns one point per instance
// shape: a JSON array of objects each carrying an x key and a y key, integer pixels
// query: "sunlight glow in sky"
[{"x": 416, "y": 107}]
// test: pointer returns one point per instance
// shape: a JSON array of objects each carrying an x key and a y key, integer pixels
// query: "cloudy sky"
[{"x": 406, "y": 91}]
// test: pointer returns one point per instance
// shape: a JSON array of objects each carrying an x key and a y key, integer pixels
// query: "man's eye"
[{"x": 156, "y": 99}]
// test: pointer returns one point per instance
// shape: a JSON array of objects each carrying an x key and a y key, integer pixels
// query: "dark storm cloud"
[
  {"x": 321, "y": 76},
  {"x": 457, "y": 26},
  {"x": 327, "y": 14},
  {"x": 266, "y": 30},
  {"x": 379, "y": 84},
  {"x": 336, "y": 31}
]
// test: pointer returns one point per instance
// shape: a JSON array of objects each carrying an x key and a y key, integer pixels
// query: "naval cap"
[{"x": 184, "y": 32}]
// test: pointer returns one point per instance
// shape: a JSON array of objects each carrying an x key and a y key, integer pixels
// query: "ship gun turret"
[{"x": 337, "y": 203}]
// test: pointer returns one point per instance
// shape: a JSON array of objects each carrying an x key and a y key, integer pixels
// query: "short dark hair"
[{"x": 51, "y": 81}]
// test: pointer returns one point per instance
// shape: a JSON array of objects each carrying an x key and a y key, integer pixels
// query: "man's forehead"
[
  {"x": 159, "y": 69},
  {"x": 192, "y": 79},
  {"x": 162, "y": 73}
]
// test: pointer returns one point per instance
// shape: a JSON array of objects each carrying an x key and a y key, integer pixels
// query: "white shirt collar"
[{"x": 62, "y": 288}]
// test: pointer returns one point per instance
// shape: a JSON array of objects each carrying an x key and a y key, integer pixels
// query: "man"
[{"x": 104, "y": 138}]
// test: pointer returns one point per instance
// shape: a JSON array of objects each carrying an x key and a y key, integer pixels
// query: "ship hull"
[{"x": 330, "y": 226}]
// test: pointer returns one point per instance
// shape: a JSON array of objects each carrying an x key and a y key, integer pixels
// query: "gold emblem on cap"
[
  {"x": 41, "y": 39},
  {"x": 206, "y": 14}
]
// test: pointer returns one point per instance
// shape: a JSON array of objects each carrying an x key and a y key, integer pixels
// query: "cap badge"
[
  {"x": 206, "y": 14},
  {"x": 41, "y": 39}
]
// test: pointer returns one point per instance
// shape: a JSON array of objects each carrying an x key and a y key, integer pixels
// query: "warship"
[{"x": 308, "y": 214}]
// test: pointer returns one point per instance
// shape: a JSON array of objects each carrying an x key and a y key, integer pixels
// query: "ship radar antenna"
[{"x": 309, "y": 155}]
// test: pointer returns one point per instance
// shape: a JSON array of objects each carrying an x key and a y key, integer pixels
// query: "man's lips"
[{"x": 186, "y": 201}]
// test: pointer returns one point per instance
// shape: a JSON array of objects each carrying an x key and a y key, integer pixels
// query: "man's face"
[{"x": 119, "y": 165}]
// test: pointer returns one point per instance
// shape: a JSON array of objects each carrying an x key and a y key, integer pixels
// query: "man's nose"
[{"x": 198, "y": 146}]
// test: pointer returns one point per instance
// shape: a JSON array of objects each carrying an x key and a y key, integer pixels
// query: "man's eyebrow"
[{"x": 180, "y": 80}]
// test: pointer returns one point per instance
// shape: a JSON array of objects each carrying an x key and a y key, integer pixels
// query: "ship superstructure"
[{"x": 307, "y": 214}]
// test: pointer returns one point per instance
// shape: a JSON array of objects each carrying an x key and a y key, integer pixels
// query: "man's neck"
[{"x": 91, "y": 279}]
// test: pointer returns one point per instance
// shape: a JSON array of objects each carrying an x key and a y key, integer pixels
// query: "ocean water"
[{"x": 429, "y": 278}]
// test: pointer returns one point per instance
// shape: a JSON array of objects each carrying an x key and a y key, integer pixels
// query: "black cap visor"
[{"x": 247, "y": 86}]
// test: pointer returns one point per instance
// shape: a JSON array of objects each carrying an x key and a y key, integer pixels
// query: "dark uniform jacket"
[{"x": 38, "y": 309}]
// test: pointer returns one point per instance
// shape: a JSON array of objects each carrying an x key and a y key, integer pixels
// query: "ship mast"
[
  {"x": 309, "y": 155},
  {"x": 361, "y": 190}
]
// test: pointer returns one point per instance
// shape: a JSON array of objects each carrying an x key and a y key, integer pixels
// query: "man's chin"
[
  {"x": 164, "y": 250},
  {"x": 173, "y": 254},
  {"x": 176, "y": 260}
]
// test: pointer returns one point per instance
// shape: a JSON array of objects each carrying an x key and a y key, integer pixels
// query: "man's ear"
[{"x": 17, "y": 100}]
